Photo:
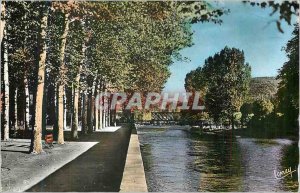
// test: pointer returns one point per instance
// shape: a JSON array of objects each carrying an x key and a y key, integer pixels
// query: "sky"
[{"x": 248, "y": 28}]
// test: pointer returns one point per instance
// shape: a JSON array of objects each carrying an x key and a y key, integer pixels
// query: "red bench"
[{"x": 49, "y": 139}]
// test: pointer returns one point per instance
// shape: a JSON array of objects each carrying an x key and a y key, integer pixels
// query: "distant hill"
[{"x": 265, "y": 87}]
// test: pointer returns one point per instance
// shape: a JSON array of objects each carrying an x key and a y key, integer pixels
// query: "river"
[{"x": 176, "y": 160}]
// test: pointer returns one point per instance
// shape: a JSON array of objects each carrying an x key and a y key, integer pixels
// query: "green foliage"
[
  {"x": 228, "y": 77},
  {"x": 288, "y": 92},
  {"x": 223, "y": 82},
  {"x": 122, "y": 46},
  {"x": 190, "y": 117},
  {"x": 262, "y": 108},
  {"x": 263, "y": 88},
  {"x": 195, "y": 81},
  {"x": 22, "y": 28},
  {"x": 286, "y": 10},
  {"x": 247, "y": 112},
  {"x": 274, "y": 104}
]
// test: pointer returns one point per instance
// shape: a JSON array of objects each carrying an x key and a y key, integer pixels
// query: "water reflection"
[
  {"x": 167, "y": 163},
  {"x": 176, "y": 160},
  {"x": 291, "y": 159},
  {"x": 219, "y": 163}
]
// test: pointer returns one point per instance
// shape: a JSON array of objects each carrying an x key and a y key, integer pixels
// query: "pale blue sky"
[{"x": 248, "y": 28}]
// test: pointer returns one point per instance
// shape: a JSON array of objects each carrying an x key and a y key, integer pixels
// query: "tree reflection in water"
[{"x": 176, "y": 160}]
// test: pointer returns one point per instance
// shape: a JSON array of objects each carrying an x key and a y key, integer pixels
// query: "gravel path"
[
  {"x": 100, "y": 169},
  {"x": 21, "y": 170}
]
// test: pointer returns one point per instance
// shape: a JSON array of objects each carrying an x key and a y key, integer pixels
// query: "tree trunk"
[
  {"x": 75, "y": 113},
  {"x": 61, "y": 87},
  {"x": 65, "y": 109},
  {"x": 109, "y": 114},
  {"x": 84, "y": 113},
  {"x": 77, "y": 89},
  {"x": 104, "y": 111},
  {"x": 26, "y": 122},
  {"x": 2, "y": 21},
  {"x": 100, "y": 115},
  {"x": 16, "y": 109},
  {"x": 85, "y": 131},
  {"x": 100, "y": 109},
  {"x": 6, "y": 91},
  {"x": 104, "y": 118},
  {"x": 72, "y": 107},
  {"x": 55, "y": 126},
  {"x": 115, "y": 117},
  {"x": 89, "y": 113},
  {"x": 96, "y": 109},
  {"x": 232, "y": 122},
  {"x": 60, "y": 116},
  {"x": 96, "y": 119},
  {"x": 75, "y": 105},
  {"x": 92, "y": 105},
  {"x": 37, "y": 133}
]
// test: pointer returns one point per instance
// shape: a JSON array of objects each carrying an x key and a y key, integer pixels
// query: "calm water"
[{"x": 176, "y": 160}]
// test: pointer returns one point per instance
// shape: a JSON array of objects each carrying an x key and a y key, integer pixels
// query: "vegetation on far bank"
[{"x": 263, "y": 104}]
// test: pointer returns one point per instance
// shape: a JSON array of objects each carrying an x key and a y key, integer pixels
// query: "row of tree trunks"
[
  {"x": 92, "y": 118},
  {"x": 20, "y": 105}
]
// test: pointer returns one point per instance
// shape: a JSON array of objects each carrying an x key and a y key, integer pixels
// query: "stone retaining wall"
[{"x": 134, "y": 179}]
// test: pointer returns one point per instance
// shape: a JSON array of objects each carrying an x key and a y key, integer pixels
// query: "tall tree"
[
  {"x": 195, "y": 81},
  {"x": 288, "y": 92},
  {"x": 6, "y": 119},
  {"x": 64, "y": 8},
  {"x": 37, "y": 133},
  {"x": 228, "y": 77},
  {"x": 61, "y": 85},
  {"x": 78, "y": 71}
]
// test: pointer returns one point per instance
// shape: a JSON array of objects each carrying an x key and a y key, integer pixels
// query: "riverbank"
[
  {"x": 134, "y": 179},
  {"x": 266, "y": 133},
  {"x": 260, "y": 133},
  {"x": 21, "y": 170}
]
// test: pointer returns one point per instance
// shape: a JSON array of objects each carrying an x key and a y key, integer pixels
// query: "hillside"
[{"x": 265, "y": 87}]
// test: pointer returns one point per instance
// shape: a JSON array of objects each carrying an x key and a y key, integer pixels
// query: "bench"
[{"x": 49, "y": 140}]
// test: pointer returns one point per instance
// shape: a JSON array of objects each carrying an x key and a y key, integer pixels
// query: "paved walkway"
[{"x": 100, "y": 169}]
